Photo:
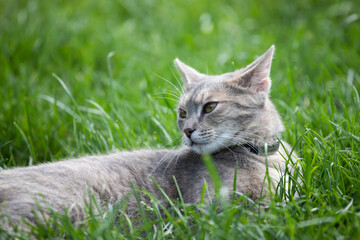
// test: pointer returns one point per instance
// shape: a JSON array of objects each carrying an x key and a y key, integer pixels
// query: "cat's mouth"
[
  {"x": 196, "y": 144},
  {"x": 209, "y": 145},
  {"x": 202, "y": 148},
  {"x": 200, "y": 145}
]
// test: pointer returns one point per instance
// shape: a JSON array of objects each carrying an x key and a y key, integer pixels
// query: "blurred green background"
[
  {"x": 89, "y": 77},
  {"x": 113, "y": 55}
]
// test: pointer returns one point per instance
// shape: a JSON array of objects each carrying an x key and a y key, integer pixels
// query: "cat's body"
[
  {"x": 108, "y": 178},
  {"x": 226, "y": 116}
]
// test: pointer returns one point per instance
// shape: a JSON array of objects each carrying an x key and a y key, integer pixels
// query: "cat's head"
[{"x": 216, "y": 112}]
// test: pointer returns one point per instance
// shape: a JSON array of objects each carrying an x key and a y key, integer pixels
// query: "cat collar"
[{"x": 262, "y": 150}]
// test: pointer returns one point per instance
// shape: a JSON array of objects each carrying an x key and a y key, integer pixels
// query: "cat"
[{"x": 228, "y": 116}]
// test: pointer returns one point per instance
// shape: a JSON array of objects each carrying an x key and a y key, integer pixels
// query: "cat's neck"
[{"x": 267, "y": 129}]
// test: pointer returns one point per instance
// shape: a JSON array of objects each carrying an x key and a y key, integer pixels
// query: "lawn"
[{"x": 87, "y": 77}]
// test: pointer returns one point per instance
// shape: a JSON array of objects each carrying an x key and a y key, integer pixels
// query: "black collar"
[{"x": 262, "y": 150}]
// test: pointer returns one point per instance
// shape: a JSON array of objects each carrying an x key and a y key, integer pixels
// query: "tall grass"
[{"x": 91, "y": 77}]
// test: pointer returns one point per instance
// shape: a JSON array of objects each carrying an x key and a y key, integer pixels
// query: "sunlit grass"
[{"x": 88, "y": 78}]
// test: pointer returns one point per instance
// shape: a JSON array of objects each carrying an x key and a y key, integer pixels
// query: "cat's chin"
[{"x": 204, "y": 148}]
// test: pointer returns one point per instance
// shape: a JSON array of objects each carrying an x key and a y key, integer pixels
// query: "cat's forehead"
[{"x": 205, "y": 91}]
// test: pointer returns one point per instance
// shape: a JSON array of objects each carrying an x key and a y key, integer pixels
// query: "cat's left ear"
[
  {"x": 256, "y": 76},
  {"x": 188, "y": 74}
]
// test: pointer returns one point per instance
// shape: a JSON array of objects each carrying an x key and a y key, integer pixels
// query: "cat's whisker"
[
  {"x": 239, "y": 142},
  {"x": 247, "y": 134},
  {"x": 174, "y": 94},
  {"x": 233, "y": 142},
  {"x": 177, "y": 80},
  {"x": 177, "y": 159},
  {"x": 170, "y": 161},
  {"x": 162, "y": 160},
  {"x": 165, "y": 94},
  {"x": 241, "y": 145},
  {"x": 174, "y": 140},
  {"x": 226, "y": 147},
  {"x": 230, "y": 140},
  {"x": 173, "y": 99},
  {"x": 169, "y": 82}
]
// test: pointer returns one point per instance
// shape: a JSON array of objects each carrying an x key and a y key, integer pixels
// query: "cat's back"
[
  {"x": 70, "y": 183},
  {"x": 118, "y": 163}
]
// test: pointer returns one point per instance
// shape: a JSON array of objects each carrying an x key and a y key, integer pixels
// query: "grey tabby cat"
[{"x": 229, "y": 116}]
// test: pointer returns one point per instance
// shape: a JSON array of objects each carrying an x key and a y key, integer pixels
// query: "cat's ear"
[
  {"x": 188, "y": 74},
  {"x": 256, "y": 76}
]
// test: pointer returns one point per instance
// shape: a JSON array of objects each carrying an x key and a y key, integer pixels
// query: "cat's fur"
[{"x": 242, "y": 114}]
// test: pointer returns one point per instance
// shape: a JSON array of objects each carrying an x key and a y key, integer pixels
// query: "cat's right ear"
[
  {"x": 188, "y": 74},
  {"x": 255, "y": 77}
]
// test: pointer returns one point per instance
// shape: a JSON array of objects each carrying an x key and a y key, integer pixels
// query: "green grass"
[{"x": 86, "y": 77}]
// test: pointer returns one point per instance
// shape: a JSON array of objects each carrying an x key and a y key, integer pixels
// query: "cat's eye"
[
  {"x": 209, "y": 107},
  {"x": 182, "y": 113}
]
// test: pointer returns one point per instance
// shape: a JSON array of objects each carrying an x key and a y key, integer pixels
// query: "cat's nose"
[{"x": 188, "y": 132}]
